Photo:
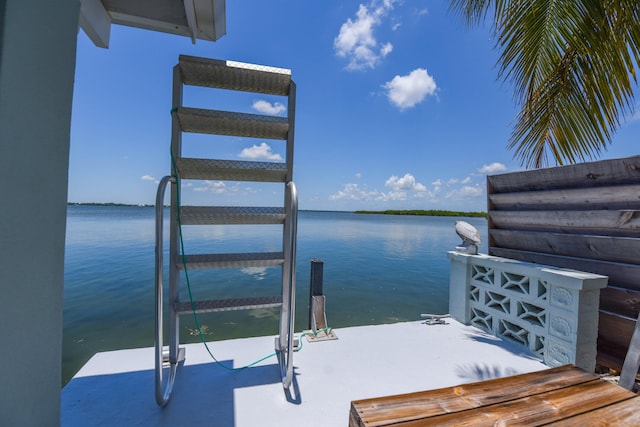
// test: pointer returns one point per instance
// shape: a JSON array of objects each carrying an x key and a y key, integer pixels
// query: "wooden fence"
[{"x": 585, "y": 217}]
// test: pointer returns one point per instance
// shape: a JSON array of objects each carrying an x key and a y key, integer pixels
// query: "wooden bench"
[{"x": 564, "y": 396}]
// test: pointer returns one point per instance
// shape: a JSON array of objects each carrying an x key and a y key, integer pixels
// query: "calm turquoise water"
[{"x": 377, "y": 269}]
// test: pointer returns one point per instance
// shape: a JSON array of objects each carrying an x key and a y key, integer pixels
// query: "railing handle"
[
  {"x": 163, "y": 391},
  {"x": 286, "y": 363}
]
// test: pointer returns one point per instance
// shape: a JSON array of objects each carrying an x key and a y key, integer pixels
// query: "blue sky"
[{"x": 398, "y": 107}]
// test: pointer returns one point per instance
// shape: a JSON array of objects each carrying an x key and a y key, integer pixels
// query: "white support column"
[
  {"x": 551, "y": 311},
  {"x": 37, "y": 65},
  {"x": 459, "y": 280}
]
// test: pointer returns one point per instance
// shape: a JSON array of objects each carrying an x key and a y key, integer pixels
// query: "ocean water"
[{"x": 377, "y": 269}]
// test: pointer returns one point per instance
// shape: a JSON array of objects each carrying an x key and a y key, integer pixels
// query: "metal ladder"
[{"x": 236, "y": 76}]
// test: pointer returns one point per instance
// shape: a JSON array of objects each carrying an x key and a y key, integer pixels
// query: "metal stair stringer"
[{"x": 211, "y": 73}]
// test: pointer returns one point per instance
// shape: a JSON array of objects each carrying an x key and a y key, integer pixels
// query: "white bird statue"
[{"x": 470, "y": 238}]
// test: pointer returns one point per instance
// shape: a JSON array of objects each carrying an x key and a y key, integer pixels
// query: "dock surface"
[{"x": 117, "y": 387}]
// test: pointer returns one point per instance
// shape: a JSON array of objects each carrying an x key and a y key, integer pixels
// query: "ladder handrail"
[
  {"x": 213, "y": 73},
  {"x": 163, "y": 391},
  {"x": 286, "y": 341}
]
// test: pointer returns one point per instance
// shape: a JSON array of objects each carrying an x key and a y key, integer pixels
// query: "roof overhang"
[{"x": 197, "y": 19}]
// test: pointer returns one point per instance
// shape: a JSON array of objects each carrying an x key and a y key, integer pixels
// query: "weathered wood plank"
[
  {"x": 386, "y": 410},
  {"x": 593, "y": 174},
  {"x": 618, "y": 198},
  {"x": 534, "y": 410},
  {"x": 616, "y": 249},
  {"x": 610, "y": 359},
  {"x": 621, "y": 275},
  {"x": 599, "y": 222},
  {"x": 623, "y": 414},
  {"x": 565, "y": 396},
  {"x": 614, "y": 335},
  {"x": 620, "y": 301}
]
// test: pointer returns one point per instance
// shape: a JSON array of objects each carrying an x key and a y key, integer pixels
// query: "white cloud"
[
  {"x": 407, "y": 91},
  {"x": 401, "y": 189},
  {"x": 453, "y": 181},
  {"x": 392, "y": 195},
  {"x": 148, "y": 178},
  {"x": 260, "y": 152},
  {"x": 358, "y": 175},
  {"x": 353, "y": 192},
  {"x": 405, "y": 192},
  {"x": 492, "y": 168},
  {"x": 386, "y": 49},
  {"x": 356, "y": 40},
  {"x": 406, "y": 183},
  {"x": 466, "y": 192},
  {"x": 268, "y": 108},
  {"x": 217, "y": 187}
]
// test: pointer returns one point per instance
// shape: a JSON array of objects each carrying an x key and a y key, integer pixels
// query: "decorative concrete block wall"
[{"x": 551, "y": 311}]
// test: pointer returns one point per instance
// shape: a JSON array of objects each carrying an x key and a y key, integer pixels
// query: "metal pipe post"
[{"x": 317, "y": 266}]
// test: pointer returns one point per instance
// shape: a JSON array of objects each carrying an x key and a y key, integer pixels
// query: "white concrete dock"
[{"x": 117, "y": 388}]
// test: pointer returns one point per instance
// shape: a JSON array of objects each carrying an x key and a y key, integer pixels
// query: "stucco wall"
[{"x": 37, "y": 62}]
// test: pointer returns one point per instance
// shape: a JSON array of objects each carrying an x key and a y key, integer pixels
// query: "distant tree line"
[
  {"x": 106, "y": 204},
  {"x": 421, "y": 212}
]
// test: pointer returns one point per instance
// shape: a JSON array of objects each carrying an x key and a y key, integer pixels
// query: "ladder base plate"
[{"x": 320, "y": 336}]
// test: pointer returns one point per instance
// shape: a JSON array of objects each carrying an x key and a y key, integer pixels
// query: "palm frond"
[{"x": 572, "y": 64}]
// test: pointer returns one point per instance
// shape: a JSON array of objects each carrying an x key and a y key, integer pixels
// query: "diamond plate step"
[
  {"x": 242, "y": 260},
  {"x": 209, "y": 215},
  {"x": 231, "y": 170},
  {"x": 228, "y": 304},
  {"x": 216, "y": 122},
  {"x": 234, "y": 75}
]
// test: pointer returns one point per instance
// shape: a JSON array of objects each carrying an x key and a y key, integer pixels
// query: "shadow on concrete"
[
  {"x": 474, "y": 371},
  {"x": 202, "y": 395}
]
